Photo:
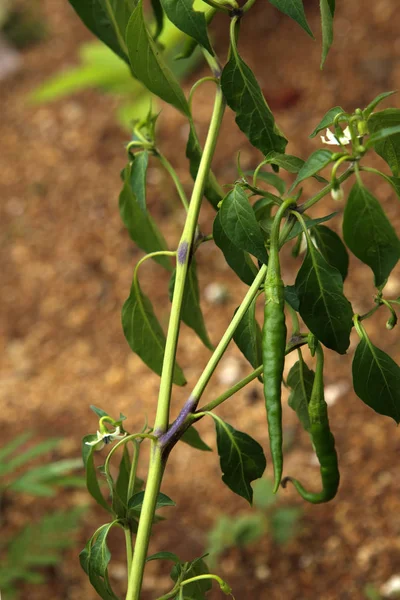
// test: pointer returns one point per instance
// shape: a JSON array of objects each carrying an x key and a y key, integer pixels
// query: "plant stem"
[
  {"x": 179, "y": 188},
  {"x": 129, "y": 550},
  {"x": 156, "y": 466},
  {"x": 303, "y": 207}
]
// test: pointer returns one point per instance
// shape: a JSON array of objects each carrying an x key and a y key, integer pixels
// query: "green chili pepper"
[
  {"x": 322, "y": 439},
  {"x": 274, "y": 343}
]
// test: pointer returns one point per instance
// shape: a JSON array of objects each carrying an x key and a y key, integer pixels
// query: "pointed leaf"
[
  {"x": 315, "y": 163},
  {"x": 149, "y": 66},
  {"x": 310, "y": 224},
  {"x": 192, "y": 438},
  {"x": 107, "y": 19},
  {"x": 376, "y": 379},
  {"x": 159, "y": 18},
  {"x": 300, "y": 380},
  {"x": 137, "y": 177},
  {"x": 194, "y": 152},
  {"x": 97, "y": 563},
  {"x": 192, "y": 22},
  {"x": 291, "y": 297},
  {"x": 240, "y": 224},
  {"x": 242, "y": 458},
  {"x": 327, "y": 120},
  {"x": 382, "y": 134},
  {"x": 323, "y": 307},
  {"x": 144, "y": 333},
  {"x": 372, "y": 105},
  {"x": 163, "y": 556},
  {"x": 92, "y": 483},
  {"x": 191, "y": 313},
  {"x": 253, "y": 115},
  {"x": 389, "y": 148},
  {"x": 369, "y": 234},
  {"x": 136, "y": 502},
  {"x": 247, "y": 337},
  {"x": 272, "y": 179},
  {"x": 295, "y": 10},
  {"x": 141, "y": 227},
  {"x": 332, "y": 248},
  {"x": 327, "y": 8},
  {"x": 291, "y": 164},
  {"x": 122, "y": 483},
  {"x": 239, "y": 261},
  {"x": 196, "y": 590}
]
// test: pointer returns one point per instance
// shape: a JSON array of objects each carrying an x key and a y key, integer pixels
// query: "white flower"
[
  {"x": 106, "y": 438},
  {"x": 332, "y": 140},
  {"x": 337, "y": 194}
]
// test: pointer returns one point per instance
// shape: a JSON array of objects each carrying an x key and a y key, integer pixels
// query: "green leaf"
[
  {"x": 253, "y": 115},
  {"x": 12, "y": 446},
  {"x": 300, "y": 380},
  {"x": 295, "y": 10},
  {"x": 42, "y": 480},
  {"x": 193, "y": 439},
  {"x": 198, "y": 589},
  {"x": 369, "y": 234},
  {"x": 149, "y": 66},
  {"x": 382, "y": 134},
  {"x": 137, "y": 177},
  {"x": 372, "y": 105},
  {"x": 97, "y": 559},
  {"x": 332, "y": 248},
  {"x": 102, "y": 413},
  {"x": 323, "y": 307},
  {"x": 141, "y": 227},
  {"x": 315, "y": 163},
  {"x": 191, "y": 313},
  {"x": 144, "y": 333},
  {"x": 291, "y": 164},
  {"x": 327, "y": 8},
  {"x": 194, "y": 152},
  {"x": 376, "y": 379},
  {"x": 92, "y": 483},
  {"x": 159, "y": 18},
  {"x": 310, "y": 224},
  {"x": 241, "y": 458},
  {"x": 192, "y": 22},
  {"x": 389, "y": 148},
  {"x": 327, "y": 120},
  {"x": 240, "y": 224},
  {"x": 24, "y": 457},
  {"x": 283, "y": 524},
  {"x": 163, "y": 556},
  {"x": 239, "y": 261},
  {"x": 272, "y": 179},
  {"x": 291, "y": 297},
  {"x": 107, "y": 19},
  {"x": 247, "y": 336},
  {"x": 136, "y": 502},
  {"x": 122, "y": 483}
]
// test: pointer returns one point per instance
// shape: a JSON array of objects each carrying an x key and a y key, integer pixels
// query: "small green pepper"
[
  {"x": 322, "y": 439},
  {"x": 274, "y": 343}
]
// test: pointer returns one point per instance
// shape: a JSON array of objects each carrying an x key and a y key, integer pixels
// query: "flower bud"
[
  {"x": 362, "y": 127},
  {"x": 337, "y": 193}
]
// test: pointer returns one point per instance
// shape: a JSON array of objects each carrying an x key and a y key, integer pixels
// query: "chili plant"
[{"x": 251, "y": 226}]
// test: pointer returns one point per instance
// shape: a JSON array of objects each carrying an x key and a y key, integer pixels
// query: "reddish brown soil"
[{"x": 67, "y": 266}]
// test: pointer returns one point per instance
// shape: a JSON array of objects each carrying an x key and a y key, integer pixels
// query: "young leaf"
[
  {"x": 300, "y": 380},
  {"x": 240, "y": 224},
  {"x": 137, "y": 177},
  {"x": 107, "y": 19},
  {"x": 369, "y": 234},
  {"x": 148, "y": 65},
  {"x": 136, "y": 502},
  {"x": 192, "y": 438},
  {"x": 212, "y": 191},
  {"x": 159, "y": 18},
  {"x": 253, "y": 115},
  {"x": 272, "y": 179},
  {"x": 310, "y": 224},
  {"x": 291, "y": 164},
  {"x": 327, "y": 8},
  {"x": 376, "y": 379},
  {"x": 327, "y": 120},
  {"x": 239, "y": 261},
  {"x": 122, "y": 483},
  {"x": 97, "y": 564},
  {"x": 247, "y": 337},
  {"x": 196, "y": 590},
  {"x": 295, "y": 10},
  {"x": 144, "y": 333},
  {"x": 242, "y": 458},
  {"x": 92, "y": 483},
  {"x": 389, "y": 148},
  {"x": 191, "y": 313},
  {"x": 141, "y": 227},
  {"x": 372, "y": 105},
  {"x": 323, "y": 307},
  {"x": 332, "y": 248},
  {"x": 163, "y": 556},
  {"x": 192, "y": 22},
  {"x": 315, "y": 163}
]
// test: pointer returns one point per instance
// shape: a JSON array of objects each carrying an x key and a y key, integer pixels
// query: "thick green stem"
[
  {"x": 156, "y": 466},
  {"x": 129, "y": 549}
]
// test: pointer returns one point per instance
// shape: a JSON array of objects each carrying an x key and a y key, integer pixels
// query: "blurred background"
[{"x": 67, "y": 263}]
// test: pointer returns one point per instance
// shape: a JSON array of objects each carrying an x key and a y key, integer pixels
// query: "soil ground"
[{"x": 66, "y": 270}]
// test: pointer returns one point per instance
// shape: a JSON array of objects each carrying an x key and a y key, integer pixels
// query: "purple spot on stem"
[
  {"x": 182, "y": 252},
  {"x": 187, "y": 409}
]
